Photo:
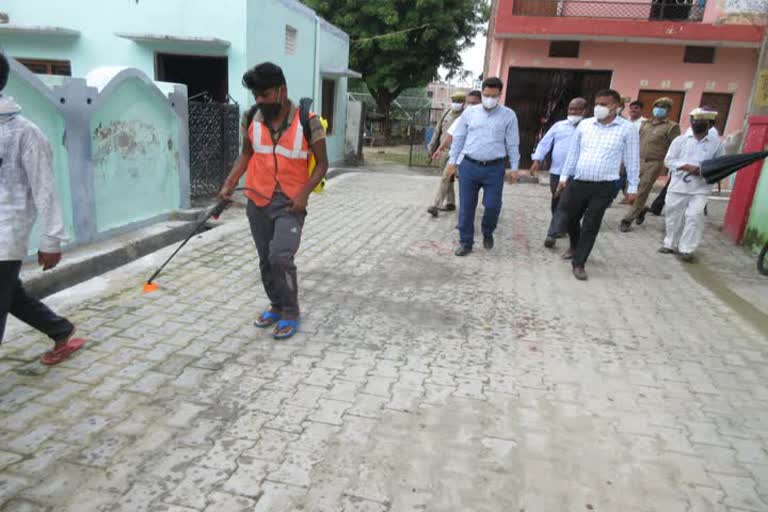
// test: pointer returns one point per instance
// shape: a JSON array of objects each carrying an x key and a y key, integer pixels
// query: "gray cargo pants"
[{"x": 277, "y": 233}]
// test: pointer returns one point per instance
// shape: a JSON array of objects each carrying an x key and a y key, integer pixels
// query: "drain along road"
[{"x": 420, "y": 381}]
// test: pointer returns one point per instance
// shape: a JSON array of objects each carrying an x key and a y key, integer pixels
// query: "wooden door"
[
  {"x": 540, "y": 97},
  {"x": 648, "y": 97},
  {"x": 720, "y": 102}
]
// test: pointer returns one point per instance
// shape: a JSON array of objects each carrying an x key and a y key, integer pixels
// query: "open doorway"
[
  {"x": 202, "y": 75},
  {"x": 540, "y": 97},
  {"x": 721, "y": 103}
]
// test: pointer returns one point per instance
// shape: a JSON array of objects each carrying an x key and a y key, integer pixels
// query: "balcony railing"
[{"x": 672, "y": 10}]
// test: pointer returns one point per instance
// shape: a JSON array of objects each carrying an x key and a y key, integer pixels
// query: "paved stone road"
[{"x": 420, "y": 381}]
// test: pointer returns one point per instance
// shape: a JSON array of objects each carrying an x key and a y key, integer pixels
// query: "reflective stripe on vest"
[
  {"x": 296, "y": 153},
  {"x": 285, "y": 163}
]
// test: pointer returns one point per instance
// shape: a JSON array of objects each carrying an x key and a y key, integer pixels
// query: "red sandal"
[{"x": 63, "y": 352}]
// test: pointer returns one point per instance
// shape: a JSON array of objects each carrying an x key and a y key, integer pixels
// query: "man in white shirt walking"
[
  {"x": 688, "y": 191},
  {"x": 26, "y": 193},
  {"x": 557, "y": 140},
  {"x": 636, "y": 113},
  {"x": 658, "y": 204},
  {"x": 599, "y": 146},
  {"x": 482, "y": 138}
]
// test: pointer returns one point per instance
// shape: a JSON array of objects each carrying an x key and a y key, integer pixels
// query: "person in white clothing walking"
[
  {"x": 688, "y": 191},
  {"x": 27, "y": 193}
]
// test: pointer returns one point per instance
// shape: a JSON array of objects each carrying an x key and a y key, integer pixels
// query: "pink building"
[
  {"x": 440, "y": 93},
  {"x": 698, "y": 52}
]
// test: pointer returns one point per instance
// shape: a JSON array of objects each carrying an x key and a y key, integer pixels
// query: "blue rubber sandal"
[
  {"x": 284, "y": 324},
  {"x": 267, "y": 319}
]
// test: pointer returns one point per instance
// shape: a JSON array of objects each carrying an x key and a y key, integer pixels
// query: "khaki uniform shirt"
[
  {"x": 441, "y": 128},
  {"x": 655, "y": 139}
]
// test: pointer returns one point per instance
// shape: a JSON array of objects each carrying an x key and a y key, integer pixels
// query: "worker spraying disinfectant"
[
  {"x": 275, "y": 159},
  {"x": 284, "y": 159}
]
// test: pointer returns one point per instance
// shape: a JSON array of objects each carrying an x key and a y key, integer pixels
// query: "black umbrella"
[{"x": 716, "y": 169}]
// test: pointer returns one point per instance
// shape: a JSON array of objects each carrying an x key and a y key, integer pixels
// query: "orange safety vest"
[{"x": 286, "y": 163}]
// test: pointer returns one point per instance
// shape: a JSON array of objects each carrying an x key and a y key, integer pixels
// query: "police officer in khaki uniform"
[
  {"x": 445, "y": 192},
  {"x": 656, "y": 135}
]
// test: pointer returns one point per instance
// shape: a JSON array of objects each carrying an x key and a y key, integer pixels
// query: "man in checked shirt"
[{"x": 597, "y": 150}]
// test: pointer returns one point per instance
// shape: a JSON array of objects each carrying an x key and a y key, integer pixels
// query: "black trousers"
[
  {"x": 585, "y": 204},
  {"x": 554, "y": 181},
  {"x": 558, "y": 215},
  {"x": 15, "y": 300}
]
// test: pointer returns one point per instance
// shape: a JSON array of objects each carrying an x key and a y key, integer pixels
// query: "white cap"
[{"x": 700, "y": 113}]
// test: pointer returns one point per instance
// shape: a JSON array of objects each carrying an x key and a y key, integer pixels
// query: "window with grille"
[
  {"x": 565, "y": 49},
  {"x": 47, "y": 67},
  {"x": 699, "y": 54},
  {"x": 291, "y": 35}
]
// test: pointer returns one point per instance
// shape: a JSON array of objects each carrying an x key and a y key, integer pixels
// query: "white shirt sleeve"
[
  {"x": 459, "y": 133},
  {"x": 545, "y": 144},
  {"x": 574, "y": 150},
  {"x": 512, "y": 142},
  {"x": 632, "y": 159},
  {"x": 37, "y": 159},
  {"x": 672, "y": 160}
]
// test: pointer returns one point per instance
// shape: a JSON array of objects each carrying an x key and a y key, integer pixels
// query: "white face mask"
[
  {"x": 601, "y": 112},
  {"x": 574, "y": 120},
  {"x": 489, "y": 102},
  {"x": 457, "y": 106}
]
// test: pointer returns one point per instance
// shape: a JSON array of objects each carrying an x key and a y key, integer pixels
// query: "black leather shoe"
[
  {"x": 549, "y": 242},
  {"x": 450, "y": 207},
  {"x": 641, "y": 217},
  {"x": 488, "y": 242},
  {"x": 625, "y": 226},
  {"x": 433, "y": 211},
  {"x": 463, "y": 250}
]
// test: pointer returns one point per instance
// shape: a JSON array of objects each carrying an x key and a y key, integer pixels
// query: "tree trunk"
[{"x": 384, "y": 101}]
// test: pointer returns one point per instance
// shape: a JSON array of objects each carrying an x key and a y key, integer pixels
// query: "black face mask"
[
  {"x": 699, "y": 127},
  {"x": 270, "y": 111}
]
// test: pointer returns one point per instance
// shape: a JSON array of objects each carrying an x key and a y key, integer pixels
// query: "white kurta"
[
  {"x": 687, "y": 193},
  {"x": 27, "y": 190}
]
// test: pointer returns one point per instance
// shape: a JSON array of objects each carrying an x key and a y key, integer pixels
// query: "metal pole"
[{"x": 410, "y": 148}]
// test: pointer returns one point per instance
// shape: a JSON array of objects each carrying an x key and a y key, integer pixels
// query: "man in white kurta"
[{"x": 688, "y": 191}]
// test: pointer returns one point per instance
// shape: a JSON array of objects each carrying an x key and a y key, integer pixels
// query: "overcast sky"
[{"x": 473, "y": 59}]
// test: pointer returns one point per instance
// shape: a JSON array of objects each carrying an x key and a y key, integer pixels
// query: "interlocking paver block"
[{"x": 419, "y": 381}]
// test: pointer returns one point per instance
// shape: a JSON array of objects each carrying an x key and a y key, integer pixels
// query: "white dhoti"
[{"x": 684, "y": 216}]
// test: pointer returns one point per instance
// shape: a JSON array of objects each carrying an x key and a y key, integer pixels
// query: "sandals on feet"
[
  {"x": 291, "y": 325},
  {"x": 267, "y": 319},
  {"x": 62, "y": 353}
]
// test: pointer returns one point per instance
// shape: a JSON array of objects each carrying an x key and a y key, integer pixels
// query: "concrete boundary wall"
[{"x": 128, "y": 138}]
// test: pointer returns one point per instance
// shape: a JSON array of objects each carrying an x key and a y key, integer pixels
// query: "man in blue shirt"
[
  {"x": 557, "y": 140},
  {"x": 483, "y": 137}
]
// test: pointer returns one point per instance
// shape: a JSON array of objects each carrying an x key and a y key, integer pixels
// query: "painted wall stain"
[{"x": 127, "y": 139}]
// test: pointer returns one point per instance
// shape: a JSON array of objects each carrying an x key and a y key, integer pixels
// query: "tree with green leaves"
[{"x": 398, "y": 44}]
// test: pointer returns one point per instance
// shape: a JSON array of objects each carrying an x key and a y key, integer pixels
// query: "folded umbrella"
[{"x": 716, "y": 169}]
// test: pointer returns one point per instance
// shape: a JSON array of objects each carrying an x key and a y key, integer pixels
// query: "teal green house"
[
  {"x": 206, "y": 45},
  {"x": 757, "y": 226}
]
